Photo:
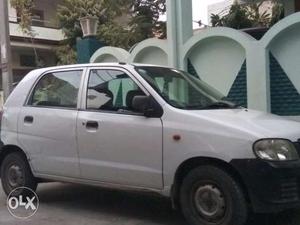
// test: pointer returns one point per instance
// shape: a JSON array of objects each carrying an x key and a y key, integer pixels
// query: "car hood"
[{"x": 256, "y": 123}]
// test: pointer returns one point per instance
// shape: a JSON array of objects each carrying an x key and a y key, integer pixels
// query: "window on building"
[
  {"x": 27, "y": 61},
  {"x": 38, "y": 18},
  {"x": 111, "y": 90},
  {"x": 297, "y": 6},
  {"x": 59, "y": 89}
]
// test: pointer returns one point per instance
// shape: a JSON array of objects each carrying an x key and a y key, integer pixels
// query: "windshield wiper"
[
  {"x": 221, "y": 104},
  {"x": 214, "y": 105}
]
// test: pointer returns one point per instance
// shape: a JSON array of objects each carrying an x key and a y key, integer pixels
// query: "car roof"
[{"x": 120, "y": 64}]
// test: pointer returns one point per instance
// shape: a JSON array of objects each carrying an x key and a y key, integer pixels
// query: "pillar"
[
  {"x": 258, "y": 78},
  {"x": 180, "y": 29},
  {"x": 86, "y": 47}
]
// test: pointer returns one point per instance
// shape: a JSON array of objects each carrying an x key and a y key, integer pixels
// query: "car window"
[
  {"x": 111, "y": 90},
  {"x": 58, "y": 89}
]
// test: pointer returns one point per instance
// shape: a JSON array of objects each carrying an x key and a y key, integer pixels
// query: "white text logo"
[{"x": 22, "y": 203}]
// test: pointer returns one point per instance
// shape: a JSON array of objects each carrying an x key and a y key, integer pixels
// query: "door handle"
[
  {"x": 28, "y": 119},
  {"x": 92, "y": 125}
]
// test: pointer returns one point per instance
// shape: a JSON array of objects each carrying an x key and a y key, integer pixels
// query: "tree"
[
  {"x": 145, "y": 21},
  {"x": 24, "y": 9},
  {"x": 236, "y": 18},
  {"x": 66, "y": 54},
  {"x": 277, "y": 12},
  {"x": 216, "y": 20},
  {"x": 68, "y": 16},
  {"x": 249, "y": 15},
  {"x": 258, "y": 18},
  {"x": 142, "y": 15}
]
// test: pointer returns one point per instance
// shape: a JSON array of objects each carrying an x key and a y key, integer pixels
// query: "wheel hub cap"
[
  {"x": 15, "y": 176},
  {"x": 210, "y": 202}
]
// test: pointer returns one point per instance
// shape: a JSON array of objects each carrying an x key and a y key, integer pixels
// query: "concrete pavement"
[{"x": 68, "y": 204}]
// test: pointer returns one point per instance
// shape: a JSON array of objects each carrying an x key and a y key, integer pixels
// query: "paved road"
[{"x": 66, "y": 204}]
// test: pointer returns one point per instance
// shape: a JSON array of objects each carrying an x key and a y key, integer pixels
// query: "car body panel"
[
  {"x": 107, "y": 155},
  {"x": 206, "y": 133},
  {"x": 51, "y": 140}
]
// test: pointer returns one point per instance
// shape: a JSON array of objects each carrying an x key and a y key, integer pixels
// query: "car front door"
[
  {"x": 47, "y": 124},
  {"x": 116, "y": 144}
]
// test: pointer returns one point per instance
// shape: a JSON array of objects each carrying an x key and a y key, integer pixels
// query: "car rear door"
[
  {"x": 116, "y": 144},
  {"x": 47, "y": 123}
]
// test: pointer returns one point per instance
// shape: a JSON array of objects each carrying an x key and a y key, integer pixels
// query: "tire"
[
  {"x": 210, "y": 196},
  {"x": 16, "y": 172}
]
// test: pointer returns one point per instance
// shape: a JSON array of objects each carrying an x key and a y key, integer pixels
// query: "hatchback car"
[{"x": 150, "y": 128}]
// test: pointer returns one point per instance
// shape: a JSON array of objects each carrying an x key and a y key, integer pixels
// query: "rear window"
[{"x": 58, "y": 89}]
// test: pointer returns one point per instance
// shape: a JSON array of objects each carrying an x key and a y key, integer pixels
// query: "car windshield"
[{"x": 183, "y": 90}]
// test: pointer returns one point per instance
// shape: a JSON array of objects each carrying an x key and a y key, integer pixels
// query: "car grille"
[
  {"x": 289, "y": 187},
  {"x": 289, "y": 190},
  {"x": 297, "y": 145}
]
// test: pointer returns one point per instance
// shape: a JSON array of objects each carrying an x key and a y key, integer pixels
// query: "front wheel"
[
  {"x": 15, "y": 173},
  {"x": 210, "y": 196}
]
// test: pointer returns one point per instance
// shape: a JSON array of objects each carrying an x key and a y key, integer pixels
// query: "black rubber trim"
[{"x": 271, "y": 186}]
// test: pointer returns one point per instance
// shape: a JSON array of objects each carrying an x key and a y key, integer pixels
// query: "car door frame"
[
  {"x": 27, "y": 104},
  {"x": 139, "y": 83}
]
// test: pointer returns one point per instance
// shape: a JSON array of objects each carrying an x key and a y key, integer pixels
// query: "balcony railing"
[
  {"x": 37, "y": 22},
  {"x": 43, "y": 30}
]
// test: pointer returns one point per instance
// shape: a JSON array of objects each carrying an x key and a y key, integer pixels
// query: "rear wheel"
[
  {"x": 15, "y": 173},
  {"x": 210, "y": 196}
]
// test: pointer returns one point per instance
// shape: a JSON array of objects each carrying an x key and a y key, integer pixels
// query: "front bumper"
[{"x": 271, "y": 186}]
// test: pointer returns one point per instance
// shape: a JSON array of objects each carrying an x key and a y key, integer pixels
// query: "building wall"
[
  {"x": 227, "y": 56},
  {"x": 12, "y": 13},
  {"x": 49, "y": 9},
  {"x": 45, "y": 41},
  {"x": 289, "y": 6},
  {"x": 45, "y": 31},
  {"x": 297, "y": 5}
]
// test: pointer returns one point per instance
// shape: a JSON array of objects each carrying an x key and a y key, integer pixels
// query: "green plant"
[
  {"x": 277, "y": 12},
  {"x": 258, "y": 18},
  {"x": 24, "y": 9},
  {"x": 66, "y": 55},
  {"x": 145, "y": 20},
  {"x": 250, "y": 15},
  {"x": 122, "y": 23}
]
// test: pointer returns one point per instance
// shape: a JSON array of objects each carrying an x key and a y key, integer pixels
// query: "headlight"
[{"x": 275, "y": 150}]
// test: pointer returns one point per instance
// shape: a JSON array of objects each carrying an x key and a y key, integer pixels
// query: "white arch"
[
  {"x": 119, "y": 54},
  {"x": 279, "y": 28},
  {"x": 146, "y": 44},
  {"x": 240, "y": 37}
]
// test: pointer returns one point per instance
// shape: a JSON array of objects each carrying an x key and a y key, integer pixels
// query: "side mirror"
[{"x": 147, "y": 105}]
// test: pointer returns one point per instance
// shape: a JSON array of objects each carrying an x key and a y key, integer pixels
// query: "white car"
[{"x": 150, "y": 128}]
